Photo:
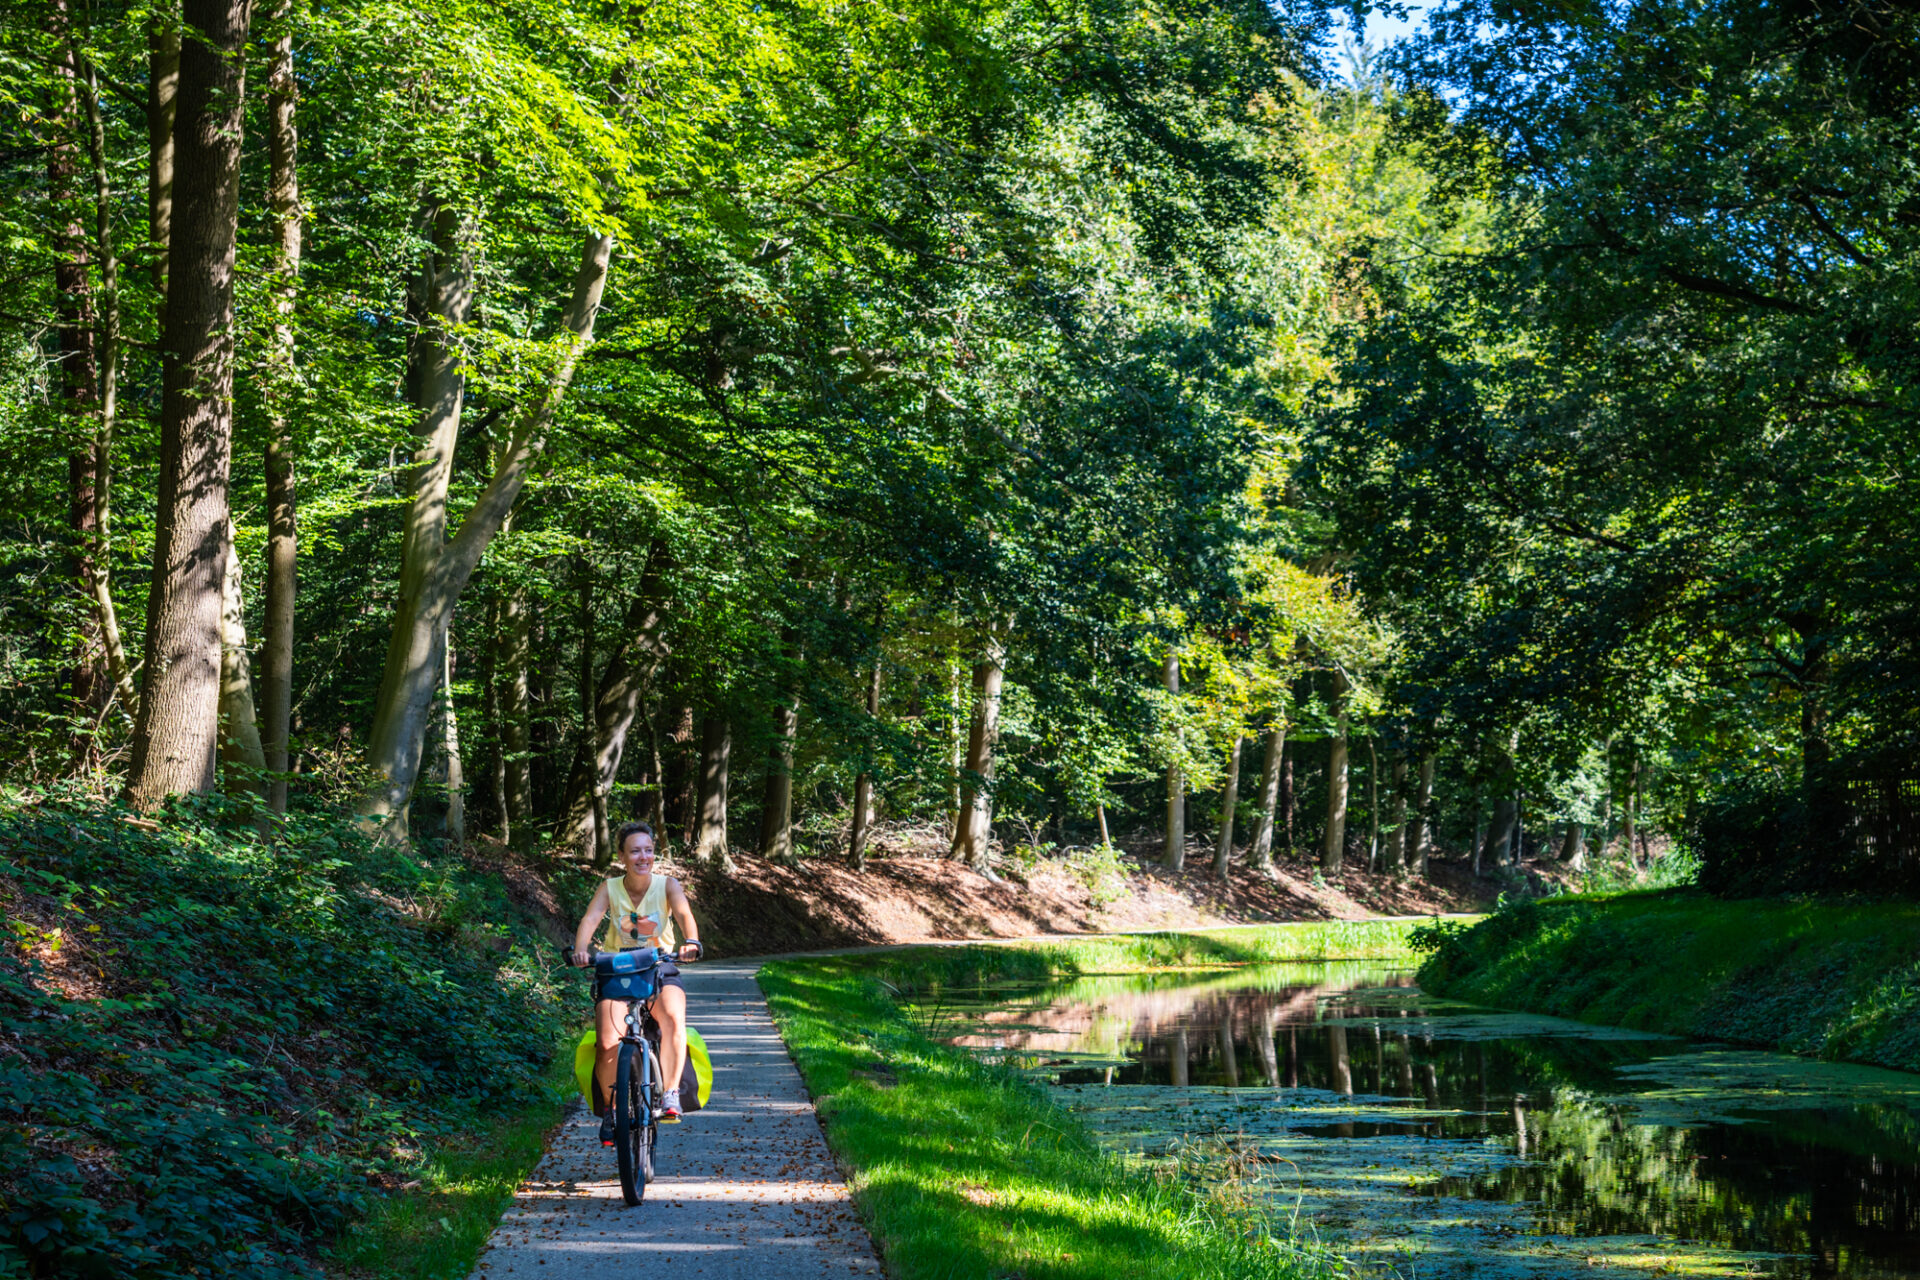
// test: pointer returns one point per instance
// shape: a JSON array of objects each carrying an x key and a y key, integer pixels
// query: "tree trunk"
[
  {"x": 776, "y": 809},
  {"x": 685, "y": 768},
  {"x": 1173, "y": 852},
  {"x": 240, "y": 749},
  {"x": 1397, "y": 838},
  {"x": 1420, "y": 840},
  {"x": 163, "y": 98},
  {"x": 1606, "y": 800},
  {"x": 543, "y": 722},
  {"x": 1639, "y": 809},
  {"x": 1506, "y": 816},
  {"x": 971, "y": 842},
  {"x": 1479, "y": 830},
  {"x": 516, "y": 712},
  {"x": 78, "y": 377},
  {"x": 958, "y": 739},
  {"x": 1630, "y": 816},
  {"x": 614, "y": 704},
  {"x": 1573, "y": 851},
  {"x": 863, "y": 785},
  {"x": 490, "y": 678},
  {"x": 1261, "y": 853},
  {"x": 432, "y": 580},
  {"x": 716, "y": 748},
  {"x": 1223, "y": 847},
  {"x": 176, "y": 737},
  {"x": 450, "y": 741},
  {"x": 1287, "y": 805},
  {"x": 580, "y": 817},
  {"x": 657, "y": 811},
  {"x": 1100, "y": 815},
  {"x": 283, "y": 202},
  {"x": 100, "y": 582},
  {"x": 1373, "y": 806},
  {"x": 1333, "y": 851}
]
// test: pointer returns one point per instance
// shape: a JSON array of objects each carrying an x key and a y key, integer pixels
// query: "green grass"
[
  {"x": 918, "y": 970},
  {"x": 1834, "y": 979},
  {"x": 436, "y": 1230},
  {"x": 965, "y": 1170}
]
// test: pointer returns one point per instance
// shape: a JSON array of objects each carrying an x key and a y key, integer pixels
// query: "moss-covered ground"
[
  {"x": 965, "y": 1170},
  {"x": 1837, "y": 980}
]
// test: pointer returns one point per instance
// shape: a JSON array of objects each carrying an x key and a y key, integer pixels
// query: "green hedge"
[
  {"x": 1835, "y": 979},
  {"x": 216, "y": 1051}
]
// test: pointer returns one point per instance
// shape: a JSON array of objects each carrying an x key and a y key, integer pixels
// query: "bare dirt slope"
[
  {"x": 915, "y": 897},
  {"x": 909, "y": 894}
]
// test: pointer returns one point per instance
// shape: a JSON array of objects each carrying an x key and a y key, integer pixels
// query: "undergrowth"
[
  {"x": 218, "y": 1053},
  {"x": 965, "y": 1170},
  {"x": 1835, "y": 979}
]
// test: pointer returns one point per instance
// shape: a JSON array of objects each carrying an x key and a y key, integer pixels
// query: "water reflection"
[{"x": 1436, "y": 1139}]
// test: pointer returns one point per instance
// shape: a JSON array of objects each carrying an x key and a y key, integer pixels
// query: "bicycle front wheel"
[
  {"x": 633, "y": 1121},
  {"x": 656, "y": 1088}
]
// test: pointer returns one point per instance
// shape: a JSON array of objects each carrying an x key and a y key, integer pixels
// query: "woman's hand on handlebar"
[
  {"x": 688, "y": 951},
  {"x": 580, "y": 959}
]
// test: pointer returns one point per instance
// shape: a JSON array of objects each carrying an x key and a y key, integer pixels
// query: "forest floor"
[{"x": 908, "y": 893}]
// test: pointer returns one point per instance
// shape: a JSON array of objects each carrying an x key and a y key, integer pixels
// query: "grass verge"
[
  {"x": 1836, "y": 980},
  {"x": 435, "y": 1226},
  {"x": 916, "y": 970},
  {"x": 965, "y": 1170}
]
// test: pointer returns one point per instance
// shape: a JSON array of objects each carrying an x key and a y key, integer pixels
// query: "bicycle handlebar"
[{"x": 595, "y": 956}]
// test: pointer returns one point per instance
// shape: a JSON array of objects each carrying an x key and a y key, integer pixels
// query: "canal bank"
[
  {"x": 1839, "y": 981},
  {"x": 1411, "y": 1135},
  {"x": 965, "y": 1167}
]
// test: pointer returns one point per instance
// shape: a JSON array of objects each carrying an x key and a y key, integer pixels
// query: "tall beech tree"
[
  {"x": 435, "y": 569},
  {"x": 176, "y": 737}
]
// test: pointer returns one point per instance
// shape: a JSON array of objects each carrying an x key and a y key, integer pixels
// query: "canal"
[{"x": 1421, "y": 1137}]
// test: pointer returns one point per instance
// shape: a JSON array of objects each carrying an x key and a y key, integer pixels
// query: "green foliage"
[
  {"x": 1838, "y": 981},
  {"x": 1621, "y": 464},
  {"x": 235, "y": 1037},
  {"x": 964, "y": 1168}
]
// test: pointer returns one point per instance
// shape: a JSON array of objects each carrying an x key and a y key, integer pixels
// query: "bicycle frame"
[{"x": 639, "y": 1081}]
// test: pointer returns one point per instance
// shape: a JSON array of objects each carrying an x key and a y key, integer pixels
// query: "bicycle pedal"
[{"x": 664, "y": 1118}]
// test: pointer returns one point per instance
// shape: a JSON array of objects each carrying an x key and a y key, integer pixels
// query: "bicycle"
[{"x": 638, "y": 1080}]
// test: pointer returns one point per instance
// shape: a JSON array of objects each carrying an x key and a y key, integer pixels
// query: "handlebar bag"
[{"x": 628, "y": 976}]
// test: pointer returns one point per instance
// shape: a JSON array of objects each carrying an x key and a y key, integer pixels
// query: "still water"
[{"x": 1427, "y": 1138}]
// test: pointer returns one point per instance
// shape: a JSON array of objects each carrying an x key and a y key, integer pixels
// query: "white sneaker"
[{"x": 670, "y": 1105}]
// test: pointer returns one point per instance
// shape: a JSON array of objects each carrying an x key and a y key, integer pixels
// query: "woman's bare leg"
[
  {"x": 610, "y": 1023},
  {"x": 670, "y": 1011}
]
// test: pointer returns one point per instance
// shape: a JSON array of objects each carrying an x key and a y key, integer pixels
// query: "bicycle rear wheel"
[{"x": 633, "y": 1121}]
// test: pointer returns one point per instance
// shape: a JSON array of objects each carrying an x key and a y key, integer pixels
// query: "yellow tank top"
[{"x": 637, "y": 924}]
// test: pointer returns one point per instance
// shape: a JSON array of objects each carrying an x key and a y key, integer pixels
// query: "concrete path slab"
[{"x": 745, "y": 1190}]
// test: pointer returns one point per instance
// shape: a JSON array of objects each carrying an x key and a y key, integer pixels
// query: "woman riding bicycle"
[{"x": 641, "y": 910}]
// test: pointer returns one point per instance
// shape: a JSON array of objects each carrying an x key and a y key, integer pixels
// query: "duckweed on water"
[{"x": 1426, "y": 1138}]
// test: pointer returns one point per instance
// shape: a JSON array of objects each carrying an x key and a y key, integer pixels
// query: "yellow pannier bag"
[{"x": 698, "y": 1063}]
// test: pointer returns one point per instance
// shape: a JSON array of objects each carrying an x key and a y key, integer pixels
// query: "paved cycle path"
[{"x": 745, "y": 1190}]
